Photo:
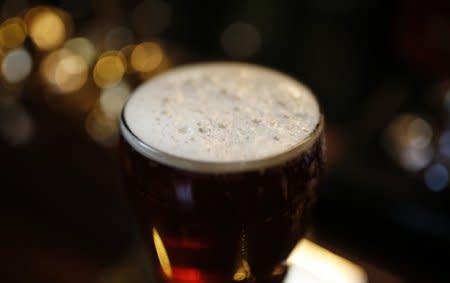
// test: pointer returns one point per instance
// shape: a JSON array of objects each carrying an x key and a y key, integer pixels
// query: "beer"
[{"x": 220, "y": 163}]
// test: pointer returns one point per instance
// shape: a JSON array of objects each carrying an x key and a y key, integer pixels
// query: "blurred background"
[{"x": 381, "y": 70}]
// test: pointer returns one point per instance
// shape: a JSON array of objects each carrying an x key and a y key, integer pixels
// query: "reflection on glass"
[
  {"x": 184, "y": 194},
  {"x": 162, "y": 254},
  {"x": 313, "y": 264},
  {"x": 242, "y": 272}
]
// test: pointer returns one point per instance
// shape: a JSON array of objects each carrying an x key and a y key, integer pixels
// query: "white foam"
[{"x": 222, "y": 112}]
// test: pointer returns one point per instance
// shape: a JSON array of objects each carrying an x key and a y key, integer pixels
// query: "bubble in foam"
[{"x": 222, "y": 112}]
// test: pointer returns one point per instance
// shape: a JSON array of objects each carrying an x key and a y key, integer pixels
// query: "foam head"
[{"x": 222, "y": 112}]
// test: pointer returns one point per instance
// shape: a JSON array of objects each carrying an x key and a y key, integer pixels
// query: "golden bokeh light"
[
  {"x": 312, "y": 263},
  {"x": 64, "y": 71},
  {"x": 112, "y": 100},
  {"x": 71, "y": 73},
  {"x": 162, "y": 254},
  {"x": 164, "y": 66},
  {"x": 12, "y": 33},
  {"x": 102, "y": 130},
  {"x": 47, "y": 27},
  {"x": 16, "y": 65},
  {"x": 109, "y": 69},
  {"x": 49, "y": 63},
  {"x": 83, "y": 47},
  {"x": 146, "y": 57}
]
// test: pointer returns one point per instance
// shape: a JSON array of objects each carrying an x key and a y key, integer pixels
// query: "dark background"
[{"x": 380, "y": 69}]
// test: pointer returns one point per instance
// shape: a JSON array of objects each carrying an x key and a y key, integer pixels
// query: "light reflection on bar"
[{"x": 313, "y": 264}]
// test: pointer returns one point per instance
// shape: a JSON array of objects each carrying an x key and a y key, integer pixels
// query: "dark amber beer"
[{"x": 220, "y": 164}]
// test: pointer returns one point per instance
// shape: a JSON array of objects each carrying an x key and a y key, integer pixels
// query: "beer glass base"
[{"x": 189, "y": 275}]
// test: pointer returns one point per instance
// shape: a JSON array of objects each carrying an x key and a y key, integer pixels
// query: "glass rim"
[{"x": 203, "y": 166}]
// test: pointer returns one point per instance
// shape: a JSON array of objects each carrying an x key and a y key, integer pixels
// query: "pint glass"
[{"x": 220, "y": 163}]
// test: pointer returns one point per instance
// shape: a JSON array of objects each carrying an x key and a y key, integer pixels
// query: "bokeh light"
[
  {"x": 410, "y": 130},
  {"x": 112, "y": 100},
  {"x": 64, "y": 71},
  {"x": 12, "y": 33},
  {"x": 436, "y": 177},
  {"x": 71, "y": 73},
  {"x": 102, "y": 123},
  {"x": 146, "y": 57},
  {"x": 101, "y": 129},
  {"x": 241, "y": 40},
  {"x": 83, "y": 47},
  {"x": 419, "y": 133},
  {"x": 16, "y": 65},
  {"x": 16, "y": 124},
  {"x": 109, "y": 69},
  {"x": 47, "y": 27},
  {"x": 164, "y": 66},
  {"x": 408, "y": 139}
]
